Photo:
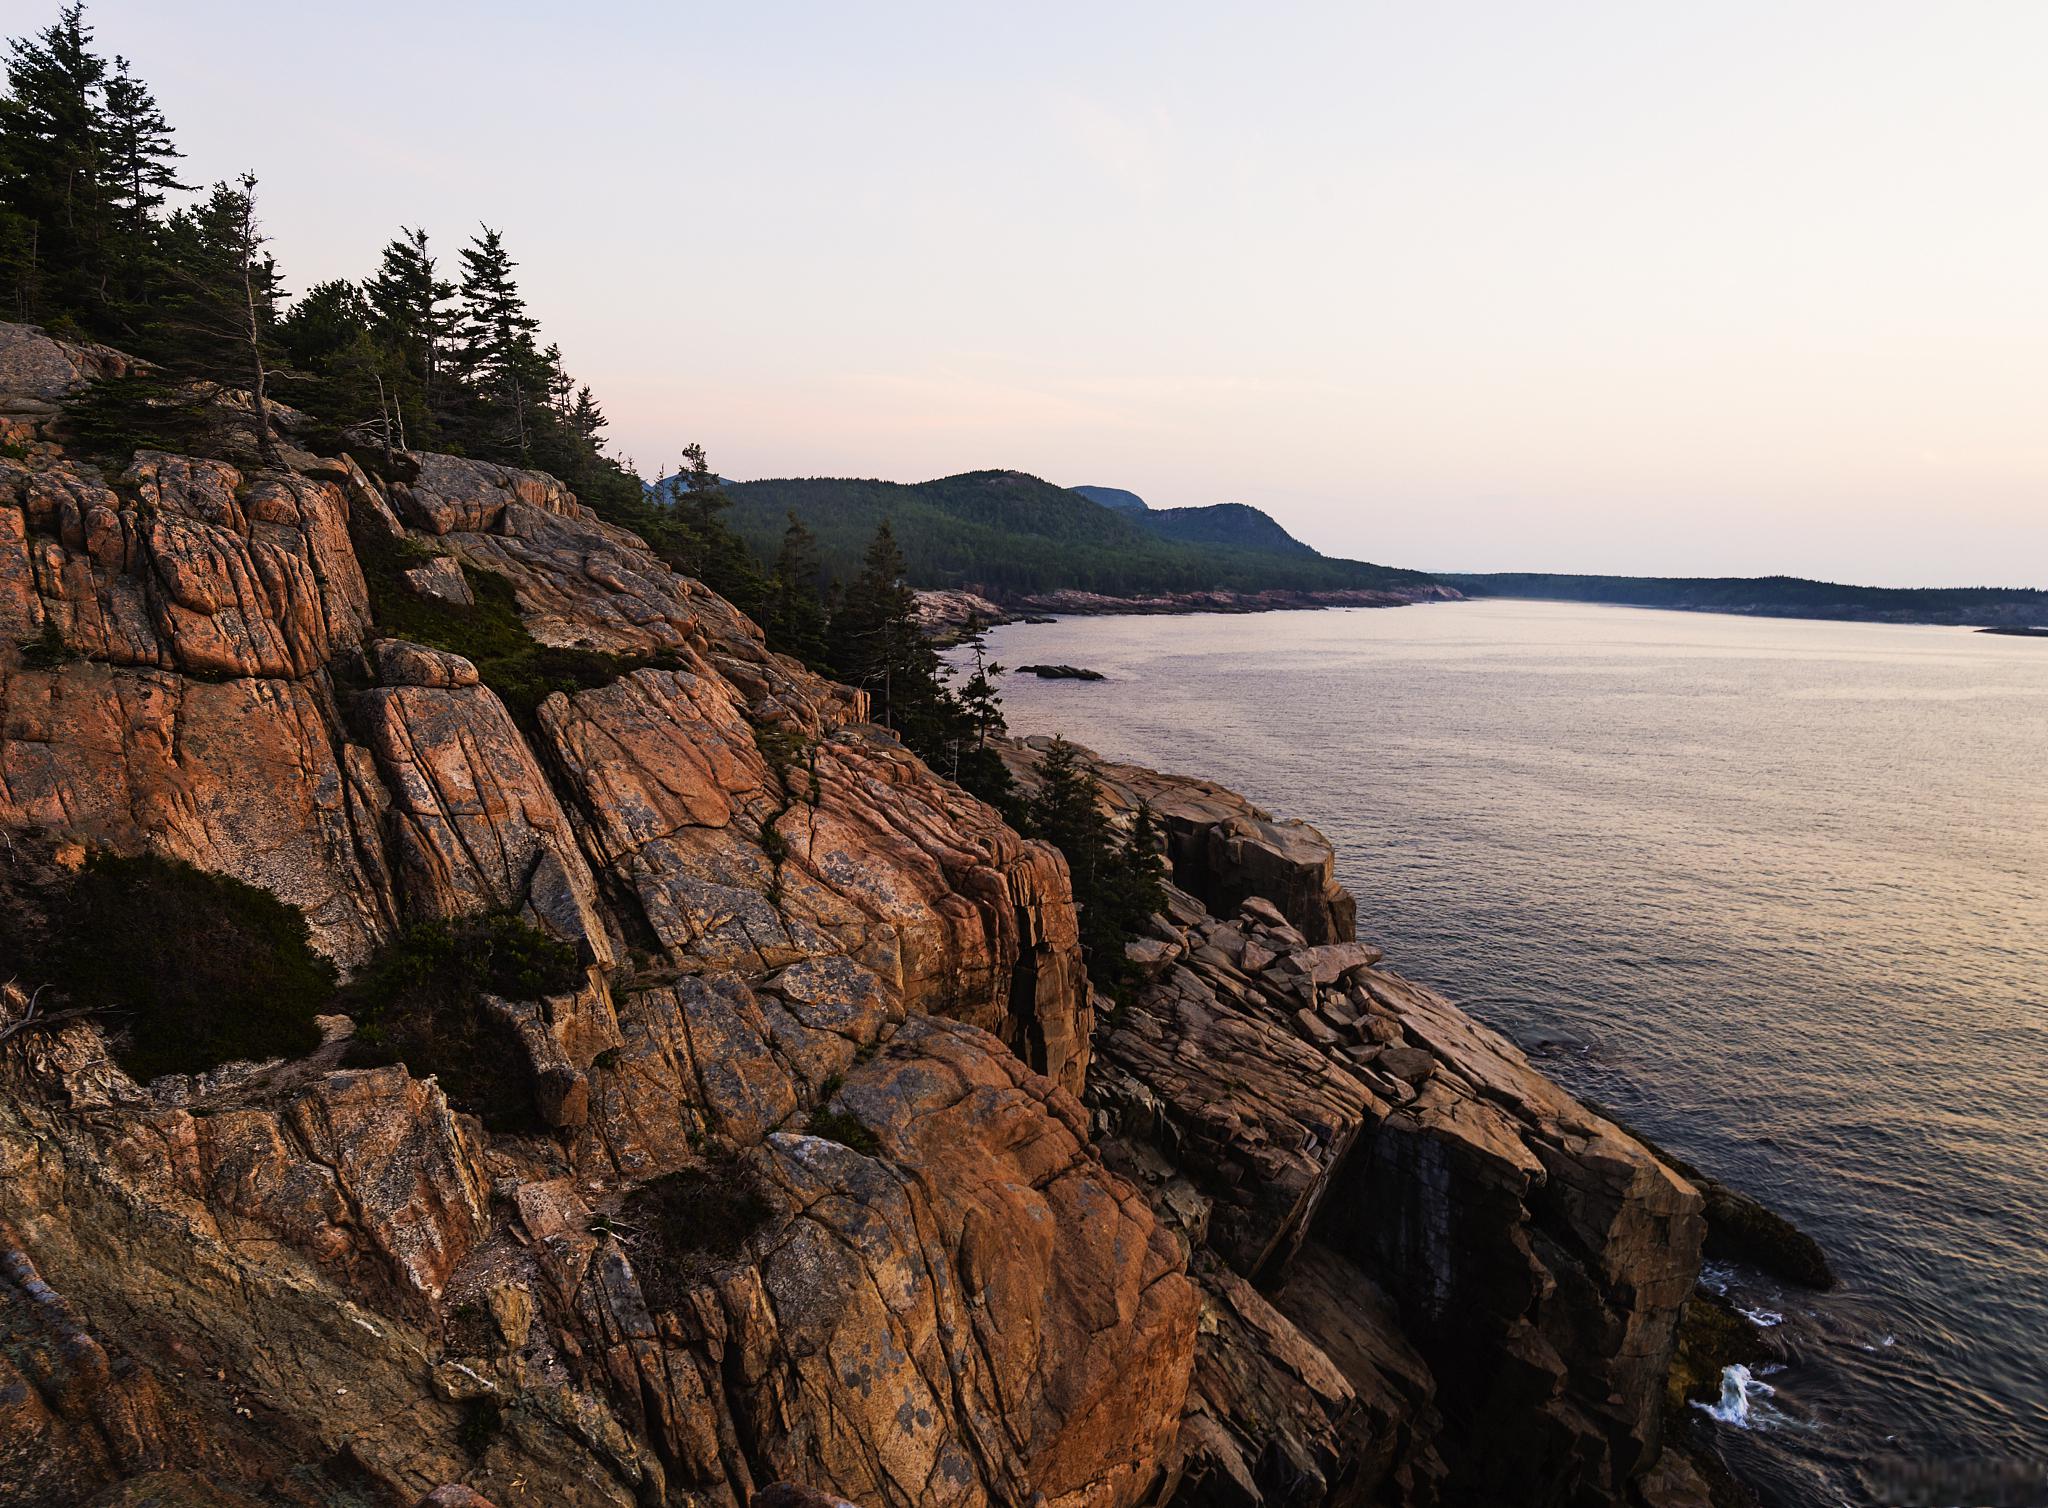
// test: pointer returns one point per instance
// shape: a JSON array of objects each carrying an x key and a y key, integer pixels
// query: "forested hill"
[
  {"x": 1117, "y": 498},
  {"x": 1012, "y": 534},
  {"x": 1772, "y": 596},
  {"x": 1237, "y": 524}
]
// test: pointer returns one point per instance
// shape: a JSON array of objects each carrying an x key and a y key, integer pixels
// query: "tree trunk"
[{"x": 266, "y": 445}]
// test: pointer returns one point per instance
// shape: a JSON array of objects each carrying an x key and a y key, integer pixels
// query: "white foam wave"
[{"x": 1743, "y": 1399}]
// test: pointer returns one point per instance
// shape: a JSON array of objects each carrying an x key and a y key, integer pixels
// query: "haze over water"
[{"x": 1774, "y": 891}]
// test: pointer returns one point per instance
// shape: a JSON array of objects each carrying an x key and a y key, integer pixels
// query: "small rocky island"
[{"x": 1061, "y": 673}]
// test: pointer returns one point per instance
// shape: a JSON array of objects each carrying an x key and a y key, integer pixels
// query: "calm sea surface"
[{"x": 1776, "y": 892}]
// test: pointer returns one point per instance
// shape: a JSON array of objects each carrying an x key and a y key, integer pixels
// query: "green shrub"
[
  {"x": 489, "y": 634},
  {"x": 683, "y": 1224},
  {"x": 47, "y": 650},
  {"x": 482, "y": 1422},
  {"x": 194, "y": 969},
  {"x": 118, "y": 416},
  {"x": 420, "y": 1002},
  {"x": 847, "y": 1130}
]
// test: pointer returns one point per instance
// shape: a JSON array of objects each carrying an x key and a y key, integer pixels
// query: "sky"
[{"x": 1668, "y": 289}]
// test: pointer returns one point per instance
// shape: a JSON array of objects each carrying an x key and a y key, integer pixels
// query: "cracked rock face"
[
  {"x": 762, "y": 938},
  {"x": 1287, "y": 1229},
  {"x": 1530, "y": 1258}
]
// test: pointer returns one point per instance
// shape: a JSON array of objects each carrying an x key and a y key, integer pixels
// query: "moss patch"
[
  {"x": 191, "y": 969},
  {"x": 683, "y": 1224},
  {"x": 847, "y": 1130},
  {"x": 47, "y": 650},
  {"x": 1711, "y": 1337},
  {"x": 420, "y": 1002},
  {"x": 482, "y": 1422}
]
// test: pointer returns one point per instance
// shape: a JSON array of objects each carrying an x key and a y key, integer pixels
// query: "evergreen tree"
[
  {"x": 980, "y": 717},
  {"x": 139, "y": 150},
  {"x": 343, "y": 374},
  {"x": 495, "y": 354},
  {"x": 585, "y": 417},
  {"x": 697, "y": 540},
  {"x": 1117, "y": 882},
  {"x": 795, "y": 620},
  {"x": 406, "y": 299},
  {"x": 55, "y": 185},
  {"x": 219, "y": 311},
  {"x": 878, "y": 646}
]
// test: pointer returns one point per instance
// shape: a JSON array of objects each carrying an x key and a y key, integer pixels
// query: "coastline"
[
  {"x": 1718, "y": 1346},
  {"x": 945, "y": 612},
  {"x": 1226, "y": 853}
]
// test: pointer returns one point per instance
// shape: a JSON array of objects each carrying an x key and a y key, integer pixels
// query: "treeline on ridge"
[
  {"x": 417, "y": 355},
  {"x": 1009, "y": 533},
  {"x": 1769, "y": 596}
]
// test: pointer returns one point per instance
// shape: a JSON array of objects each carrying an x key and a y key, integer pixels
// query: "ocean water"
[{"x": 1776, "y": 892}]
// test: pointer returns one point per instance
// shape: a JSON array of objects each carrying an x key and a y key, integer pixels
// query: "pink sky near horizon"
[{"x": 1664, "y": 290}]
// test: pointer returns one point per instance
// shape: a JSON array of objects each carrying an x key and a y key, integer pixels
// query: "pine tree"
[
  {"x": 795, "y": 620},
  {"x": 406, "y": 299},
  {"x": 219, "y": 311},
  {"x": 585, "y": 417},
  {"x": 343, "y": 375},
  {"x": 1141, "y": 882},
  {"x": 976, "y": 766},
  {"x": 495, "y": 351},
  {"x": 877, "y": 644},
  {"x": 1117, "y": 882},
  {"x": 55, "y": 185},
  {"x": 139, "y": 150},
  {"x": 699, "y": 542}
]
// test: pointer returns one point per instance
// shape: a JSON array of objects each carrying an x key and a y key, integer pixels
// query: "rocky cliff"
[{"x": 832, "y": 1171}]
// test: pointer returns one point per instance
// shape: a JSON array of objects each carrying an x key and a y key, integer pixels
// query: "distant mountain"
[
  {"x": 1114, "y": 497},
  {"x": 1772, "y": 596},
  {"x": 1237, "y": 525},
  {"x": 1011, "y": 535}
]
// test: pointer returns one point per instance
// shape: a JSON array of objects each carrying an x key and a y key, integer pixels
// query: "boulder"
[
  {"x": 1223, "y": 850},
  {"x": 38, "y": 371}
]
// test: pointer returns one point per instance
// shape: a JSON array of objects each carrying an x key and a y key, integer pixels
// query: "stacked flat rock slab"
[
  {"x": 1223, "y": 850},
  {"x": 1283, "y": 1230},
  {"x": 1522, "y": 1260}
]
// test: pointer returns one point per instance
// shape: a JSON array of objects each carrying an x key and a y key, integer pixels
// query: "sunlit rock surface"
[{"x": 1286, "y": 1228}]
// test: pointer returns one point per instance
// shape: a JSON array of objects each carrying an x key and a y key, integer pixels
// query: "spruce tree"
[
  {"x": 495, "y": 353},
  {"x": 219, "y": 310},
  {"x": 55, "y": 186},
  {"x": 1117, "y": 882},
  {"x": 585, "y": 417},
  {"x": 795, "y": 620},
  {"x": 343, "y": 375},
  {"x": 878, "y": 646},
  {"x": 406, "y": 299},
  {"x": 980, "y": 717},
  {"x": 139, "y": 150},
  {"x": 698, "y": 540}
]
